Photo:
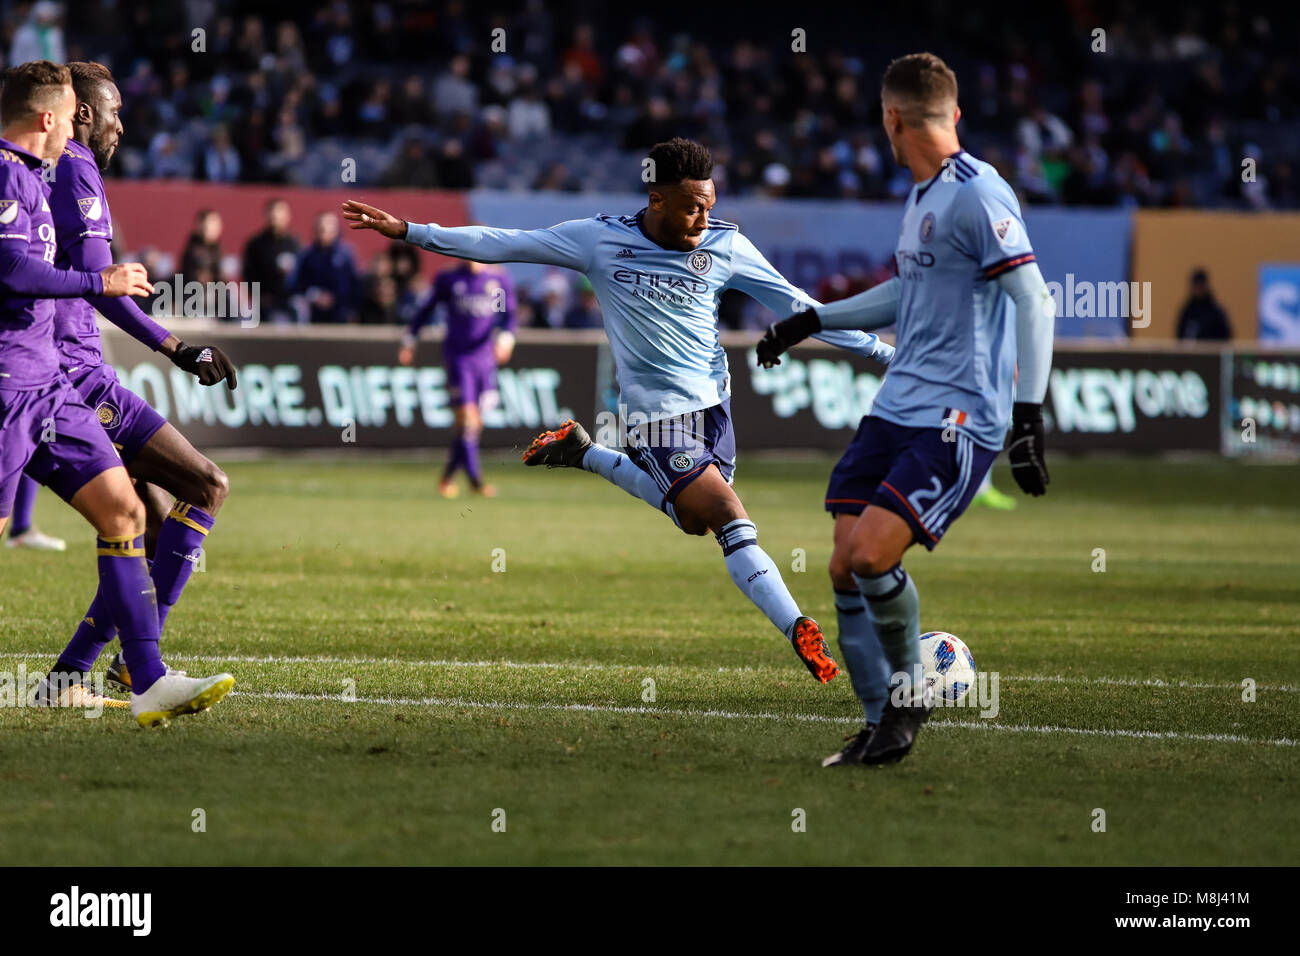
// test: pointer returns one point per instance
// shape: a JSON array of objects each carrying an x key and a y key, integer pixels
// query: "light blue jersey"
[
  {"x": 660, "y": 306},
  {"x": 956, "y": 326}
]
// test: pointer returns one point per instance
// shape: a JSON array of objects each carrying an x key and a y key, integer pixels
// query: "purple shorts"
[
  {"x": 54, "y": 435},
  {"x": 128, "y": 419},
  {"x": 470, "y": 378}
]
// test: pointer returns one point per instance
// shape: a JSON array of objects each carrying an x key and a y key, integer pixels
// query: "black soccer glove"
[
  {"x": 1025, "y": 448},
  {"x": 784, "y": 335},
  {"x": 206, "y": 362}
]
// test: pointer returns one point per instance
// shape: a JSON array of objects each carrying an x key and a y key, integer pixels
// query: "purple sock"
[
  {"x": 180, "y": 539},
  {"x": 95, "y": 630},
  {"x": 128, "y": 591},
  {"x": 24, "y": 505},
  {"x": 471, "y": 459},
  {"x": 456, "y": 458}
]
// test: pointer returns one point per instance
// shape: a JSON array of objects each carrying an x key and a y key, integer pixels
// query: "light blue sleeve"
[
  {"x": 872, "y": 309},
  {"x": 753, "y": 275},
  {"x": 989, "y": 227},
  {"x": 568, "y": 244},
  {"x": 1035, "y": 328}
]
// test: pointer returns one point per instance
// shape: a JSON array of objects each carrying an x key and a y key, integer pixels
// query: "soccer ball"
[{"x": 948, "y": 665}]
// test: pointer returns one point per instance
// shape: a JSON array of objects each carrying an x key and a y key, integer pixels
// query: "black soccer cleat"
[
  {"x": 117, "y": 676},
  {"x": 565, "y": 447},
  {"x": 852, "y": 752},
  {"x": 899, "y": 725}
]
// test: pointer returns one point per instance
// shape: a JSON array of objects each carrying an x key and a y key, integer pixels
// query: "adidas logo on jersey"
[{"x": 625, "y": 253}]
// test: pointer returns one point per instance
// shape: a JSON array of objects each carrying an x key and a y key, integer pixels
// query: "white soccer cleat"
[
  {"x": 33, "y": 540},
  {"x": 175, "y": 694}
]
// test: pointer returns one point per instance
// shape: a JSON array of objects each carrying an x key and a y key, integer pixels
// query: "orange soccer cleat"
[{"x": 810, "y": 645}]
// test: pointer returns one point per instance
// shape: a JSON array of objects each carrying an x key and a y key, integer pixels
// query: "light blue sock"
[
  {"x": 756, "y": 574},
  {"x": 616, "y": 467},
  {"x": 863, "y": 655},
  {"x": 895, "y": 610}
]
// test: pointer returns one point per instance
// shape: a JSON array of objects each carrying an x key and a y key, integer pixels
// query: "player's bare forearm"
[{"x": 361, "y": 215}]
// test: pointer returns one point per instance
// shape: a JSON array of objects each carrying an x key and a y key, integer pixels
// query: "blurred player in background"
[
  {"x": 156, "y": 455},
  {"x": 971, "y": 308},
  {"x": 46, "y": 427},
  {"x": 658, "y": 275},
  {"x": 23, "y": 532},
  {"x": 479, "y": 305}
]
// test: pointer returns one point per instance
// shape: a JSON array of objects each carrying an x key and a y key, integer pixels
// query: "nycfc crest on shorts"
[{"x": 681, "y": 462}]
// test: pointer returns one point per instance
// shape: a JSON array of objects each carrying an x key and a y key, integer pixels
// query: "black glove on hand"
[
  {"x": 1025, "y": 448},
  {"x": 207, "y": 363},
  {"x": 784, "y": 335}
]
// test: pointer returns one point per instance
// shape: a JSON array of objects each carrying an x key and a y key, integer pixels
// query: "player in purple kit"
[
  {"x": 479, "y": 303},
  {"x": 45, "y": 426},
  {"x": 156, "y": 455}
]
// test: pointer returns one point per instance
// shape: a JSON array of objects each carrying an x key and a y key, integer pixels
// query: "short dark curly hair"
[
  {"x": 90, "y": 79},
  {"x": 679, "y": 159}
]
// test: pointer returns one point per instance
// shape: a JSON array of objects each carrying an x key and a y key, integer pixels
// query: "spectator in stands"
[
  {"x": 270, "y": 258},
  {"x": 585, "y": 312},
  {"x": 1202, "y": 317},
  {"x": 453, "y": 92},
  {"x": 379, "y": 305},
  {"x": 413, "y": 168},
  {"x": 39, "y": 37},
  {"x": 201, "y": 259},
  {"x": 454, "y": 170},
  {"x": 528, "y": 115},
  {"x": 326, "y": 277},
  {"x": 220, "y": 158}
]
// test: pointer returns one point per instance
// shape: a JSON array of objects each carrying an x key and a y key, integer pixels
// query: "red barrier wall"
[{"x": 161, "y": 214}]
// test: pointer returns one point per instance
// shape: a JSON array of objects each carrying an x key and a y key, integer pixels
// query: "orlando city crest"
[
  {"x": 700, "y": 262},
  {"x": 108, "y": 414}
]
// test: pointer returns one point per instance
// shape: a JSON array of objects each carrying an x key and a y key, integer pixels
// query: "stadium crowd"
[{"x": 567, "y": 95}]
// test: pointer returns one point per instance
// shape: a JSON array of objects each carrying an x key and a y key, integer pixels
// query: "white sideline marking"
[
  {"x": 741, "y": 715},
  {"x": 641, "y": 668}
]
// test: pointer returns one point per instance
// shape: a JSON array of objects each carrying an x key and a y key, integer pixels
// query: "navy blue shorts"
[
  {"x": 913, "y": 472},
  {"x": 675, "y": 451}
]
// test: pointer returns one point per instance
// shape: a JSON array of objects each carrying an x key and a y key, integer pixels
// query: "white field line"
[
  {"x": 459, "y": 702},
  {"x": 642, "y": 668}
]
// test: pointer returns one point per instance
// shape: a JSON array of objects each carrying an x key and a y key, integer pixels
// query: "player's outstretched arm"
[
  {"x": 873, "y": 309},
  {"x": 1035, "y": 328},
  {"x": 568, "y": 244}
]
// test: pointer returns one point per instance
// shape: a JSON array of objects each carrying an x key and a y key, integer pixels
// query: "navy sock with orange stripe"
[
  {"x": 127, "y": 589},
  {"x": 180, "y": 545}
]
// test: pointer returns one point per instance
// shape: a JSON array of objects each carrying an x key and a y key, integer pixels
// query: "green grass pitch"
[{"x": 518, "y": 696}]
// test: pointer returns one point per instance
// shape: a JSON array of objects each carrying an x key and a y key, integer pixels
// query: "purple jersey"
[
  {"x": 28, "y": 358},
  {"x": 80, "y": 211},
  {"x": 476, "y": 305},
  {"x": 84, "y": 233}
]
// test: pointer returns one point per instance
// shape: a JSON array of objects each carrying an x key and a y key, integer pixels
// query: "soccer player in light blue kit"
[
  {"x": 658, "y": 275},
  {"x": 971, "y": 308}
]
